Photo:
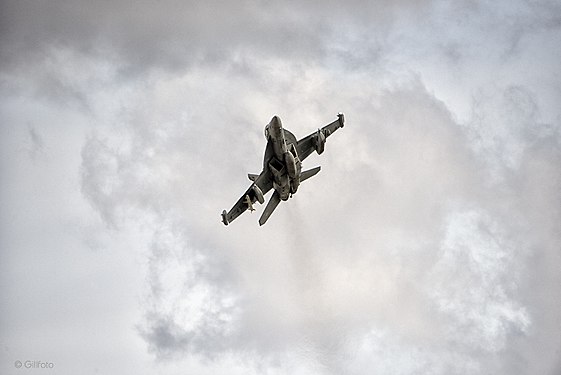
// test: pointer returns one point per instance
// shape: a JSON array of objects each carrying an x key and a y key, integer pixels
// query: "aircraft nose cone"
[{"x": 276, "y": 122}]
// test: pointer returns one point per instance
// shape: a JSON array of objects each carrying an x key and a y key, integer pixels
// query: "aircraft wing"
[
  {"x": 316, "y": 141},
  {"x": 261, "y": 185}
]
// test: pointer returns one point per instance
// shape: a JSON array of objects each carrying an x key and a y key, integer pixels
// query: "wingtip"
[{"x": 225, "y": 217}]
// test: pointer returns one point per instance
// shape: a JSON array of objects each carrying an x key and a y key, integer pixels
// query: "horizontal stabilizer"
[
  {"x": 309, "y": 173},
  {"x": 252, "y": 177},
  {"x": 273, "y": 203}
]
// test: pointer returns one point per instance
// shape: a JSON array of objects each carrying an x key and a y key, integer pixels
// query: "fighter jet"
[{"x": 282, "y": 167}]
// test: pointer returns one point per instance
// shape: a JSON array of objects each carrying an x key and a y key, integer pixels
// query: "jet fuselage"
[{"x": 281, "y": 158}]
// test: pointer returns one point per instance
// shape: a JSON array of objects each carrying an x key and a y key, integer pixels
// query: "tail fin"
[
  {"x": 273, "y": 203},
  {"x": 309, "y": 173}
]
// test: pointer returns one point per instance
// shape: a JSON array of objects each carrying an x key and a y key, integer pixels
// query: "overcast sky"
[{"x": 429, "y": 243}]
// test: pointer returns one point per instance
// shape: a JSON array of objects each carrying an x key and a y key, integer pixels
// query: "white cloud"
[{"x": 427, "y": 243}]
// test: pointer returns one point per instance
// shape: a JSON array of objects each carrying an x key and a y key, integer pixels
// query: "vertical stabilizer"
[
  {"x": 273, "y": 203},
  {"x": 309, "y": 173}
]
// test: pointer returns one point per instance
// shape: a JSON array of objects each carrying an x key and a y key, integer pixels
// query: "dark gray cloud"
[{"x": 176, "y": 34}]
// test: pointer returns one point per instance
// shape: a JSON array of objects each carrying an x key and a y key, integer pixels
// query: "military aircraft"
[{"x": 282, "y": 167}]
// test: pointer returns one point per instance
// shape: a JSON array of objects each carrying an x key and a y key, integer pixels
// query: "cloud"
[
  {"x": 411, "y": 243},
  {"x": 174, "y": 34},
  {"x": 428, "y": 242}
]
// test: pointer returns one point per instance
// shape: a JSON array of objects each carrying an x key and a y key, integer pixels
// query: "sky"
[{"x": 429, "y": 243}]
